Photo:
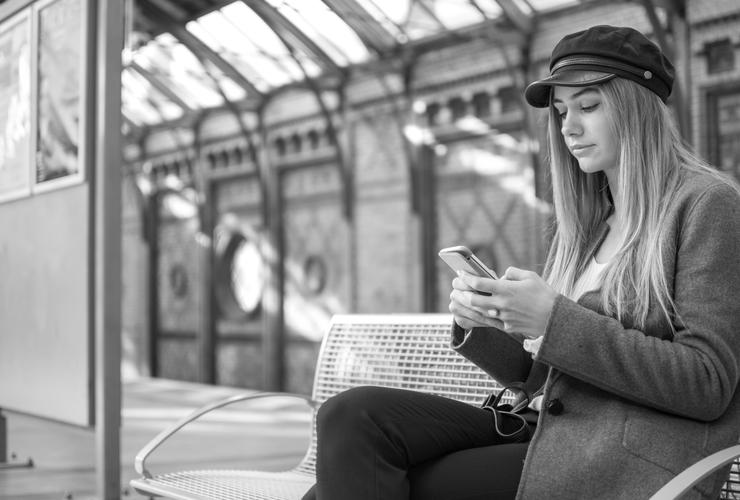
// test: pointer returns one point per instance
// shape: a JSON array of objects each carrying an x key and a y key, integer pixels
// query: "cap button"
[{"x": 648, "y": 75}]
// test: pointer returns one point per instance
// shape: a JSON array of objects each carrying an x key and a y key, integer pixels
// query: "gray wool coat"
[{"x": 638, "y": 407}]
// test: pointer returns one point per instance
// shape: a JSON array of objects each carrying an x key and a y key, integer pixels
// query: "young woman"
[{"x": 628, "y": 346}]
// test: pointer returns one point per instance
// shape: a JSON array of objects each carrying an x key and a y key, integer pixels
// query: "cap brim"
[{"x": 537, "y": 93}]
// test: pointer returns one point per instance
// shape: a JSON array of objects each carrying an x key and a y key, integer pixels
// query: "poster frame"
[{"x": 79, "y": 175}]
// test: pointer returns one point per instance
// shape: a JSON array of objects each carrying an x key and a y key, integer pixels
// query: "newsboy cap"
[{"x": 600, "y": 53}]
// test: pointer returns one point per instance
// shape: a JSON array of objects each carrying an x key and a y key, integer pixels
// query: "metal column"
[{"x": 108, "y": 16}]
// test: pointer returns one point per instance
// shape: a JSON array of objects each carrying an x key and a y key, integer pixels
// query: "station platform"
[{"x": 266, "y": 434}]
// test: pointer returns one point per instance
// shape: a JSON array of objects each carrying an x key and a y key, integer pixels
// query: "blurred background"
[
  {"x": 286, "y": 160},
  {"x": 280, "y": 161}
]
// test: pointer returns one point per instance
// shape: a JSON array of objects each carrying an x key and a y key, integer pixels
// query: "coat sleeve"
[
  {"x": 694, "y": 373},
  {"x": 494, "y": 351}
]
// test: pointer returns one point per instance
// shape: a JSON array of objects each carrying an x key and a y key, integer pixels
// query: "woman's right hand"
[{"x": 465, "y": 314}]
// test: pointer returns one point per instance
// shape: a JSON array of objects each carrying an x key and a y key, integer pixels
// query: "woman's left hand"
[{"x": 521, "y": 299}]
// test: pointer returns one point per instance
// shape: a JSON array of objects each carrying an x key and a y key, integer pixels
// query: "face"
[{"x": 586, "y": 128}]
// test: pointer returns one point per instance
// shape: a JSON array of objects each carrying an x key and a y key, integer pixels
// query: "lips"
[{"x": 579, "y": 148}]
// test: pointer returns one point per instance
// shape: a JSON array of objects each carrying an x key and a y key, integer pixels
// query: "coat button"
[{"x": 554, "y": 407}]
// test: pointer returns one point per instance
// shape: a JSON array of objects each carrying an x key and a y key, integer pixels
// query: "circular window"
[
  {"x": 239, "y": 276},
  {"x": 247, "y": 279}
]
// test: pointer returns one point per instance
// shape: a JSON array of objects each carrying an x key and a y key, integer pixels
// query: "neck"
[{"x": 611, "y": 177}]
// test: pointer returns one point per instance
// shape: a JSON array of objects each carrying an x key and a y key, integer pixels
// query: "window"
[
  {"x": 296, "y": 143},
  {"x": 720, "y": 56},
  {"x": 482, "y": 104},
  {"x": 432, "y": 113},
  {"x": 280, "y": 146},
  {"x": 728, "y": 133},
  {"x": 457, "y": 108},
  {"x": 509, "y": 98},
  {"x": 313, "y": 139}
]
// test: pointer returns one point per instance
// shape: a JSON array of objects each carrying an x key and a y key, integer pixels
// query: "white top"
[{"x": 589, "y": 280}]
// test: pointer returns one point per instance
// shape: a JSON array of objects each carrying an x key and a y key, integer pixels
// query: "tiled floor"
[{"x": 266, "y": 434}]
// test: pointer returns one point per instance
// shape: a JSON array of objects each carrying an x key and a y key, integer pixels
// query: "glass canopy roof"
[{"x": 248, "y": 48}]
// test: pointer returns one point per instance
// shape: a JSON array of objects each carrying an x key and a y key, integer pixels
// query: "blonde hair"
[{"x": 653, "y": 161}]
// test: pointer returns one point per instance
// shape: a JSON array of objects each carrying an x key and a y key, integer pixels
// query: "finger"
[
  {"x": 462, "y": 297},
  {"x": 516, "y": 274},
  {"x": 485, "y": 302},
  {"x": 472, "y": 316},
  {"x": 487, "y": 285},
  {"x": 459, "y": 284},
  {"x": 465, "y": 317}
]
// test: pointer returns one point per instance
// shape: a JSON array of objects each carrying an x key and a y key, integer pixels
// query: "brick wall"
[{"x": 385, "y": 234}]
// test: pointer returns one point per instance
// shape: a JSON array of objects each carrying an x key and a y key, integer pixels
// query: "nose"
[{"x": 570, "y": 125}]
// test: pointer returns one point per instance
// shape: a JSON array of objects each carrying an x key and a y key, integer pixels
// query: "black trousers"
[{"x": 387, "y": 444}]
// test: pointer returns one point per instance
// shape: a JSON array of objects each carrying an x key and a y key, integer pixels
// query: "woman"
[{"x": 627, "y": 346}]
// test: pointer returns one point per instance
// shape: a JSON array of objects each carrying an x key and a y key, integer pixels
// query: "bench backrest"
[{"x": 405, "y": 351}]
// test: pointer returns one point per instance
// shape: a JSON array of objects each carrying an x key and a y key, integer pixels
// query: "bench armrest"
[
  {"x": 682, "y": 483},
  {"x": 140, "y": 460}
]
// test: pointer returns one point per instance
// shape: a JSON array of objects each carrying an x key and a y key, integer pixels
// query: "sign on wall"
[
  {"x": 15, "y": 106},
  {"x": 59, "y": 74}
]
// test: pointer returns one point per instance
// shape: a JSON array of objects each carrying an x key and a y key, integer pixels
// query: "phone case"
[{"x": 461, "y": 258}]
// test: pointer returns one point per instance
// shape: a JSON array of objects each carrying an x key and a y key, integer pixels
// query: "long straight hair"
[{"x": 653, "y": 162}]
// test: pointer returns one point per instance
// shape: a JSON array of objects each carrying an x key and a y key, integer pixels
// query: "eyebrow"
[{"x": 577, "y": 94}]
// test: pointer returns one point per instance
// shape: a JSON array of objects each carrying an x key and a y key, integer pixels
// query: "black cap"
[{"x": 599, "y": 54}]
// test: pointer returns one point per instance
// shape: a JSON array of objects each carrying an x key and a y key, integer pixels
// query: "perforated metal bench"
[{"x": 403, "y": 351}]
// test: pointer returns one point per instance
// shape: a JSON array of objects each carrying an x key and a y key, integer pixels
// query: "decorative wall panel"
[{"x": 316, "y": 249}]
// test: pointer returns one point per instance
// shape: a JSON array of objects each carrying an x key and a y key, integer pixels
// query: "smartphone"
[{"x": 460, "y": 258}]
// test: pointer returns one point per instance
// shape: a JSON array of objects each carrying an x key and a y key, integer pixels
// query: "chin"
[{"x": 589, "y": 169}]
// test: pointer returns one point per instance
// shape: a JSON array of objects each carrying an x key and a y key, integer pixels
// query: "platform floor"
[{"x": 267, "y": 434}]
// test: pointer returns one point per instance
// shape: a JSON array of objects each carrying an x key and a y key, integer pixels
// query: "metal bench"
[{"x": 409, "y": 351}]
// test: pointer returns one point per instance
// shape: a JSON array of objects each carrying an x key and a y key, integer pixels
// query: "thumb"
[{"x": 515, "y": 274}]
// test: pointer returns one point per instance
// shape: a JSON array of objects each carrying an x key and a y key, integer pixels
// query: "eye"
[{"x": 589, "y": 108}]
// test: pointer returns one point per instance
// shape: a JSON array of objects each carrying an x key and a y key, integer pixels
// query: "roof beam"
[
  {"x": 370, "y": 31},
  {"x": 159, "y": 86},
  {"x": 423, "y": 6},
  {"x": 517, "y": 16},
  {"x": 198, "y": 47},
  {"x": 290, "y": 34},
  {"x": 491, "y": 30}
]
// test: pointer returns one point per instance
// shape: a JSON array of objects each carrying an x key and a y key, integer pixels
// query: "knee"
[{"x": 346, "y": 410}]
